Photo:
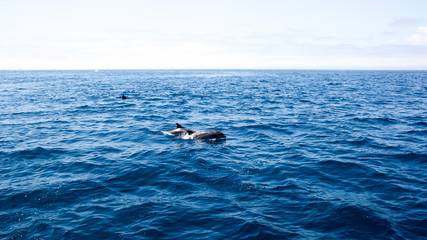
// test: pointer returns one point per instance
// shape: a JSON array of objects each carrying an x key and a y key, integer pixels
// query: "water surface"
[{"x": 309, "y": 155}]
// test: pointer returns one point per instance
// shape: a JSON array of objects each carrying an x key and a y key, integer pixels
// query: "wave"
[
  {"x": 416, "y": 157},
  {"x": 348, "y": 221},
  {"x": 34, "y": 153},
  {"x": 376, "y": 120}
]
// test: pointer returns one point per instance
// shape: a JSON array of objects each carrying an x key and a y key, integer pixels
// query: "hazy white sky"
[{"x": 279, "y": 34}]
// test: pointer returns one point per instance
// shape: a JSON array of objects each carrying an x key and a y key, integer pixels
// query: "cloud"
[
  {"x": 406, "y": 22},
  {"x": 419, "y": 38}
]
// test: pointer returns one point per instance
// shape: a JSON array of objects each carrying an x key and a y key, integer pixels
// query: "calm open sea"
[{"x": 308, "y": 155}]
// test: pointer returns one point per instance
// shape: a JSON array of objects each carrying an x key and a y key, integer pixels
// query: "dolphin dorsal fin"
[{"x": 178, "y": 126}]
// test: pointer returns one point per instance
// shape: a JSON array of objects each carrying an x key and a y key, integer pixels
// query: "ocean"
[{"x": 309, "y": 154}]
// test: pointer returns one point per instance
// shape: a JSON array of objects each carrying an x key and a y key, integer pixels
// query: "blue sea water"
[{"x": 308, "y": 155}]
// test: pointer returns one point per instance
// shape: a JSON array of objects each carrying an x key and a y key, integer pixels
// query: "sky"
[{"x": 214, "y": 34}]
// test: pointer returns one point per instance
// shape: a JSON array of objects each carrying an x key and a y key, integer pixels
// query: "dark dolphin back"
[{"x": 209, "y": 134}]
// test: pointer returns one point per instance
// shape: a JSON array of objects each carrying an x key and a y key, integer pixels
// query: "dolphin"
[{"x": 184, "y": 133}]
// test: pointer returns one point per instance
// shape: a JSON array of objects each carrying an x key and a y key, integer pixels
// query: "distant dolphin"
[
  {"x": 123, "y": 96},
  {"x": 184, "y": 133}
]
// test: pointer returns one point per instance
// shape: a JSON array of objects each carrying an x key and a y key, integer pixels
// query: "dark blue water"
[{"x": 309, "y": 155}]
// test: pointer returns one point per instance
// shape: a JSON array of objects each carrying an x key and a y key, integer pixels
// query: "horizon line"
[{"x": 196, "y": 69}]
